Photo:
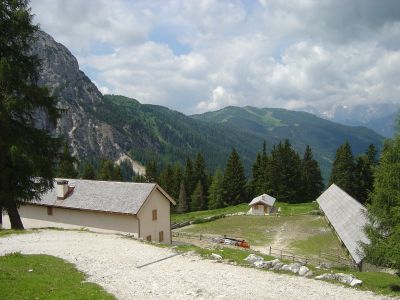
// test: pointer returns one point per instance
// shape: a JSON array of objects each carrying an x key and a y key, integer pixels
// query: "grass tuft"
[{"x": 44, "y": 277}]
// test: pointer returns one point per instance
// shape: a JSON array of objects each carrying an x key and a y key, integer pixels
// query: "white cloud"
[{"x": 292, "y": 54}]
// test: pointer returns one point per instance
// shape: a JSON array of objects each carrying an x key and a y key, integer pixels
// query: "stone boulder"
[
  {"x": 216, "y": 256},
  {"x": 304, "y": 271},
  {"x": 260, "y": 264},
  {"x": 252, "y": 258},
  {"x": 348, "y": 279}
]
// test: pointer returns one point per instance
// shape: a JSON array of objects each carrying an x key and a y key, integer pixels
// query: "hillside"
[
  {"x": 301, "y": 128},
  {"x": 111, "y": 126}
]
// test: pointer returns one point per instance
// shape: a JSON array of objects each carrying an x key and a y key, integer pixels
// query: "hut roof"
[
  {"x": 264, "y": 199},
  {"x": 107, "y": 196},
  {"x": 348, "y": 218}
]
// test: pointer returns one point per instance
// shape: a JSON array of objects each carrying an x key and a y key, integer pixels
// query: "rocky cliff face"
[{"x": 87, "y": 136}]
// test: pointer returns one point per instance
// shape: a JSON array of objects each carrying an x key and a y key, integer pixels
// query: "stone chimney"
[{"x": 62, "y": 189}]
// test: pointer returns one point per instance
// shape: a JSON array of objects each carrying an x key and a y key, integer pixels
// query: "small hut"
[{"x": 261, "y": 205}]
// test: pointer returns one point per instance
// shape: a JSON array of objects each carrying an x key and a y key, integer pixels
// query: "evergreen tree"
[
  {"x": 286, "y": 170},
  {"x": 199, "y": 173},
  {"x": 151, "y": 171},
  {"x": 363, "y": 179},
  {"x": 371, "y": 155},
  {"x": 198, "y": 199},
  {"x": 176, "y": 181},
  {"x": 166, "y": 179},
  {"x": 126, "y": 170},
  {"x": 107, "y": 170},
  {"x": 28, "y": 155},
  {"x": 261, "y": 182},
  {"x": 182, "y": 206},
  {"x": 234, "y": 183},
  {"x": 88, "y": 172},
  {"x": 383, "y": 213},
  {"x": 189, "y": 177},
  {"x": 117, "y": 175},
  {"x": 343, "y": 169},
  {"x": 311, "y": 178},
  {"x": 215, "y": 192},
  {"x": 139, "y": 178},
  {"x": 66, "y": 168}
]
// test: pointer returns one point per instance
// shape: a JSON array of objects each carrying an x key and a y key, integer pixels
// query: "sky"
[{"x": 202, "y": 55}]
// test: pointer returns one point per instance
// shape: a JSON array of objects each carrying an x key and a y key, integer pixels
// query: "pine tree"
[
  {"x": 166, "y": 179},
  {"x": 343, "y": 169},
  {"x": 286, "y": 170},
  {"x": 117, "y": 175},
  {"x": 189, "y": 177},
  {"x": 176, "y": 181},
  {"x": 106, "y": 171},
  {"x": 371, "y": 154},
  {"x": 234, "y": 183},
  {"x": 215, "y": 192},
  {"x": 199, "y": 172},
  {"x": 182, "y": 206},
  {"x": 28, "y": 155},
  {"x": 88, "y": 172},
  {"x": 126, "y": 170},
  {"x": 66, "y": 168},
  {"x": 198, "y": 199},
  {"x": 151, "y": 171},
  {"x": 139, "y": 178},
  {"x": 363, "y": 179},
  {"x": 383, "y": 213},
  {"x": 261, "y": 182},
  {"x": 311, "y": 178}
]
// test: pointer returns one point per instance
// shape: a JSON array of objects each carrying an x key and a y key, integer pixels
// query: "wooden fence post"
[
  {"x": 200, "y": 236},
  {"x": 281, "y": 254},
  {"x": 270, "y": 250}
]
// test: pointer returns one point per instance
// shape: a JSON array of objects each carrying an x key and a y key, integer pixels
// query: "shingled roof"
[
  {"x": 265, "y": 199},
  {"x": 347, "y": 216},
  {"x": 107, "y": 196}
]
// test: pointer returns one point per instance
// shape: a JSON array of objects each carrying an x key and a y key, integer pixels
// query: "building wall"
[
  {"x": 35, "y": 216},
  {"x": 148, "y": 226},
  {"x": 259, "y": 209}
]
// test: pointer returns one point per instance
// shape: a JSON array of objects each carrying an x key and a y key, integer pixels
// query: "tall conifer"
[
  {"x": 343, "y": 169},
  {"x": 311, "y": 178},
  {"x": 383, "y": 213},
  {"x": 234, "y": 183}
]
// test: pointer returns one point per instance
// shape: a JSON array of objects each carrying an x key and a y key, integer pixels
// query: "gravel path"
[{"x": 112, "y": 260}]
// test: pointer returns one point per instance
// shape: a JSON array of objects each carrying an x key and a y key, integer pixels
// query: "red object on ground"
[{"x": 243, "y": 244}]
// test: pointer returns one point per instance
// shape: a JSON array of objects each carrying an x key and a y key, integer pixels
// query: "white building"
[
  {"x": 141, "y": 209},
  {"x": 261, "y": 205}
]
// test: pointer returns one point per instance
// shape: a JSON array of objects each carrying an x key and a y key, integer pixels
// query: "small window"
[
  {"x": 161, "y": 236},
  {"x": 154, "y": 214},
  {"x": 148, "y": 238},
  {"x": 49, "y": 211}
]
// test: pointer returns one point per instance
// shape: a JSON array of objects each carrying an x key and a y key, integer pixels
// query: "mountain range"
[{"x": 121, "y": 128}]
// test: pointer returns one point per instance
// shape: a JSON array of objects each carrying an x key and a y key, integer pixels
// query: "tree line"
[{"x": 281, "y": 173}]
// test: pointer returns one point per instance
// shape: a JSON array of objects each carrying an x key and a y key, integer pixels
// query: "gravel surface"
[{"x": 111, "y": 261}]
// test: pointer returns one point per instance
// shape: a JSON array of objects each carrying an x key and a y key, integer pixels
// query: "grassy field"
[
  {"x": 44, "y": 277},
  {"x": 286, "y": 210},
  {"x": 177, "y": 218},
  {"x": 305, "y": 235}
]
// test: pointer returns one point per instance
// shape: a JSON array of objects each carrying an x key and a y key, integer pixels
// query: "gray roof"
[
  {"x": 108, "y": 196},
  {"x": 347, "y": 217},
  {"x": 265, "y": 199}
]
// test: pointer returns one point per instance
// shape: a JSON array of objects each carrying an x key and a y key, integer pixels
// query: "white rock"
[
  {"x": 325, "y": 276},
  {"x": 356, "y": 282},
  {"x": 253, "y": 258},
  {"x": 216, "y": 256},
  {"x": 295, "y": 267},
  {"x": 285, "y": 268},
  {"x": 303, "y": 270},
  {"x": 277, "y": 266},
  {"x": 259, "y": 264},
  {"x": 344, "y": 278},
  {"x": 274, "y": 262}
]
